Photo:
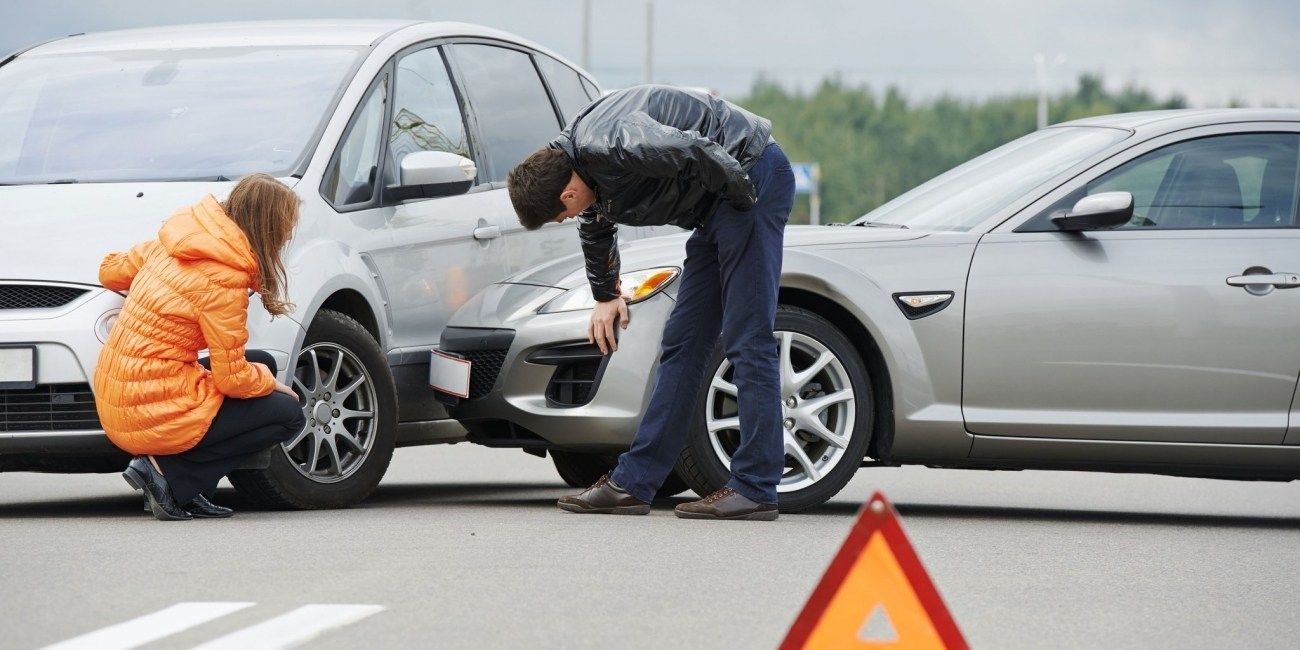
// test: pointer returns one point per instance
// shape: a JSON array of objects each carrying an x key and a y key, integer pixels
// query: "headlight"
[
  {"x": 637, "y": 286},
  {"x": 105, "y": 324}
]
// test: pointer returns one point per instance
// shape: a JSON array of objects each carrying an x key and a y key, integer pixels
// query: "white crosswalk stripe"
[
  {"x": 150, "y": 627},
  {"x": 292, "y": 628}
]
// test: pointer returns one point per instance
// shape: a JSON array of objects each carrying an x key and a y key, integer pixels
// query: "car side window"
[
  {"x": 426, "y": 113},
  {"x": 351, "y": 177},
  {"x": 566, "y": 85},
  {"x": 511, "y": 107},
  {"x": 1245, "y": 180}
]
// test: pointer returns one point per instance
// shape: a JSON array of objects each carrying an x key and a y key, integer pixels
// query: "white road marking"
[
  {"x": 292, "y": 628},
  {"x": 150, "y": 627}
]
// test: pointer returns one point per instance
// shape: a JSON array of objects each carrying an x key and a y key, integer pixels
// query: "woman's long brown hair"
[{"x": 267, "y": 211}]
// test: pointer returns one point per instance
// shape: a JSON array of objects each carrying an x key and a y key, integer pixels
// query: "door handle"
[
  {"x": 1279, "y": 280},
  {"x": 487, "y": 232}
]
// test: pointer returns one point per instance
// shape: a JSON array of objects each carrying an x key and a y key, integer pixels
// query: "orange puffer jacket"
[{"x": 188, "y": 290}]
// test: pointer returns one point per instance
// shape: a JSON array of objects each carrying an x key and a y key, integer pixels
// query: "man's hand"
[{"x": 601, "y": 328}]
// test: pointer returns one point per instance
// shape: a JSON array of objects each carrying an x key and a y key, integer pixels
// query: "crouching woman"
[{"x": 191, "y": 422}]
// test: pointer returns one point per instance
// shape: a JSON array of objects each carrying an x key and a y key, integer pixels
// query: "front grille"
[
  {"x": 48, "y": 407},
  {"x": 574, "y": 384},
  {"x": 578, "y": 369},
  {"x": 36, "y": 296},
  {"x": 484, "y": 367}
]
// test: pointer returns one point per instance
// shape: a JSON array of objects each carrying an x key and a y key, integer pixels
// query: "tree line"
[{"x": 874, "y": 146}]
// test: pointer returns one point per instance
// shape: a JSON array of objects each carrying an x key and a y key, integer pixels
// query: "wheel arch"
[
  {"x": 868, "y": 349},
  {"x": 351, "y": 303},
  {"x": 327, "y": 274}
]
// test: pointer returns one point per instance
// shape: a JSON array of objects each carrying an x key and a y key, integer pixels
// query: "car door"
[
  {"x": 1147, "y": 332},
  {"x": 514, "y": 116},
  {"x": 442, "y": 250}
]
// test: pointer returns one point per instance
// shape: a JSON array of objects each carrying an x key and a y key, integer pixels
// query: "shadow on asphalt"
[
  {"x": 526, "y": 495},
  {"x": 393, "y": 496},
  {"x": 126, "y": 505},
  {"x": 422, "y": 495},
  {"x": 949, "y": 511},
  {"x": 484, "y": 494}
]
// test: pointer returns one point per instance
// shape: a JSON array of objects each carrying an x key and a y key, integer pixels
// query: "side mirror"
[
  {"x": 431, "y": 174},
  {"x": 1097, "y": 212}
]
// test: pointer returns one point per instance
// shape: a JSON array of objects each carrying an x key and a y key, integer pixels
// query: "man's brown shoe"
[
  {"x": 726, "y": 504},
  {"x": 604, "y": 498}
]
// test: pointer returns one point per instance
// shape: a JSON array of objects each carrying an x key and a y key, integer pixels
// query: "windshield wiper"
[{"x": 882, "y": 224}]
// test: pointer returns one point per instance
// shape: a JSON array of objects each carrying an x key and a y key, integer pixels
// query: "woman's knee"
[
  {"x": 262, "y": 357},
  {"x": 288, "y": 413}
]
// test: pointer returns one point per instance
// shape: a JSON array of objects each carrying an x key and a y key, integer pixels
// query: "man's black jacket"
[{"x": 657, "y": 155}]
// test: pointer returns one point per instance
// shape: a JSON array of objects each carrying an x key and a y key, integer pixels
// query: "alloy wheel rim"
[
  {"x": 817, "y": 410},
  {"x": 338, "y": 399}
]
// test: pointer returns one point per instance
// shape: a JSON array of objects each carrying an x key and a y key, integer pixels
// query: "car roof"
[
  {"x": 1173, "y": 120},
  {"x": 322, "y": 32}
]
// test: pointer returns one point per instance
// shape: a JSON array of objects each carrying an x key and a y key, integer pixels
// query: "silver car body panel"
[{"x": 1131, "y": 335}]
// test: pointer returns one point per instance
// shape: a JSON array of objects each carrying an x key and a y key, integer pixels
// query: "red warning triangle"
[{"x": 875, "y": 593}]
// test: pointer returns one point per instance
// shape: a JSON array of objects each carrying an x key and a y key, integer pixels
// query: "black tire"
[
  {"x": 705, "y": 472},
  {"x": 580, "y": 470},
  {"x": 281, "y": 485}
]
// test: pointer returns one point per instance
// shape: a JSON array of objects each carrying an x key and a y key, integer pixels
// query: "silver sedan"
[{"x": 1111, "y": 294}]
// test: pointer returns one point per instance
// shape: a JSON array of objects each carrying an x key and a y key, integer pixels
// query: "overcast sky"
[{"x": 1209, "y": 51}]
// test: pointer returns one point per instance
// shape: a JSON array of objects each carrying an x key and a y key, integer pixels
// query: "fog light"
[{"x": 105, "y": 324}]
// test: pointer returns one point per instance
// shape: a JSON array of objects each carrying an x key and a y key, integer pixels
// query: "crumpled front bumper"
[{"x": 520, "y": 407}]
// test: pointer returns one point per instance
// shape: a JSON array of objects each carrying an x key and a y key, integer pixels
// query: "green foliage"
[{"x": 873, "y": 147}]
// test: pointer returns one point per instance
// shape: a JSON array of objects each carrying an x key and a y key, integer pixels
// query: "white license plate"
[
  {"x": 17, "y": 367},
  {"x": 449, "y": 374}
]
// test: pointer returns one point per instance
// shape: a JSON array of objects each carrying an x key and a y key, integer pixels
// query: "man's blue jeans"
[{"x": 728, "y": 287}]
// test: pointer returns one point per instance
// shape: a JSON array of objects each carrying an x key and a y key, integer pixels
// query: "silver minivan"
[{"x": 396, "y": 135}]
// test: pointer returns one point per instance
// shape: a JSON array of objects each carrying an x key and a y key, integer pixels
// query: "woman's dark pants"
[{"x": 242, "y": 428}]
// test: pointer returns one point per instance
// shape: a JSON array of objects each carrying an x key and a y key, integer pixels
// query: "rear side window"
[
  {"x": 513, "y": 111},
  {"x": 566, "y": 85},
  {"x": 426, "y": 115}
]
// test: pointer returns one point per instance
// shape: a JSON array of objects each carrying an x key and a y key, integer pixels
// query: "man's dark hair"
[{"x": 535, "y": 186}]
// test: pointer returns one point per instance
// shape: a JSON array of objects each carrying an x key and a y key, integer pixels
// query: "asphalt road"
[{"x": 462, "y": 547}]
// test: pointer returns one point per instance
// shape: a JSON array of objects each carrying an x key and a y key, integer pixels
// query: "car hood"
[
  {"x": 59, "y": 233},
  {"x": 567, "y": 272}
]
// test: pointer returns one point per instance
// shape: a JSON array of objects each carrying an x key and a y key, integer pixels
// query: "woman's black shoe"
[
  {"x": 137, "y": 463},
  {"x": 200, "y": 507},
  {"x": 143, "y": 476}
]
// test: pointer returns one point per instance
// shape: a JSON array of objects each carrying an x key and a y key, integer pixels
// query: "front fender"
[
  {"x": 317, "y": 271},
  {"x": 923, "y": 357}
]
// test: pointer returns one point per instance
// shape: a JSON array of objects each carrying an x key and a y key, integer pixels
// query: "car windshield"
[
  {"x": 186, "y": 114},
  {"x": 966, "y": 195}
]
